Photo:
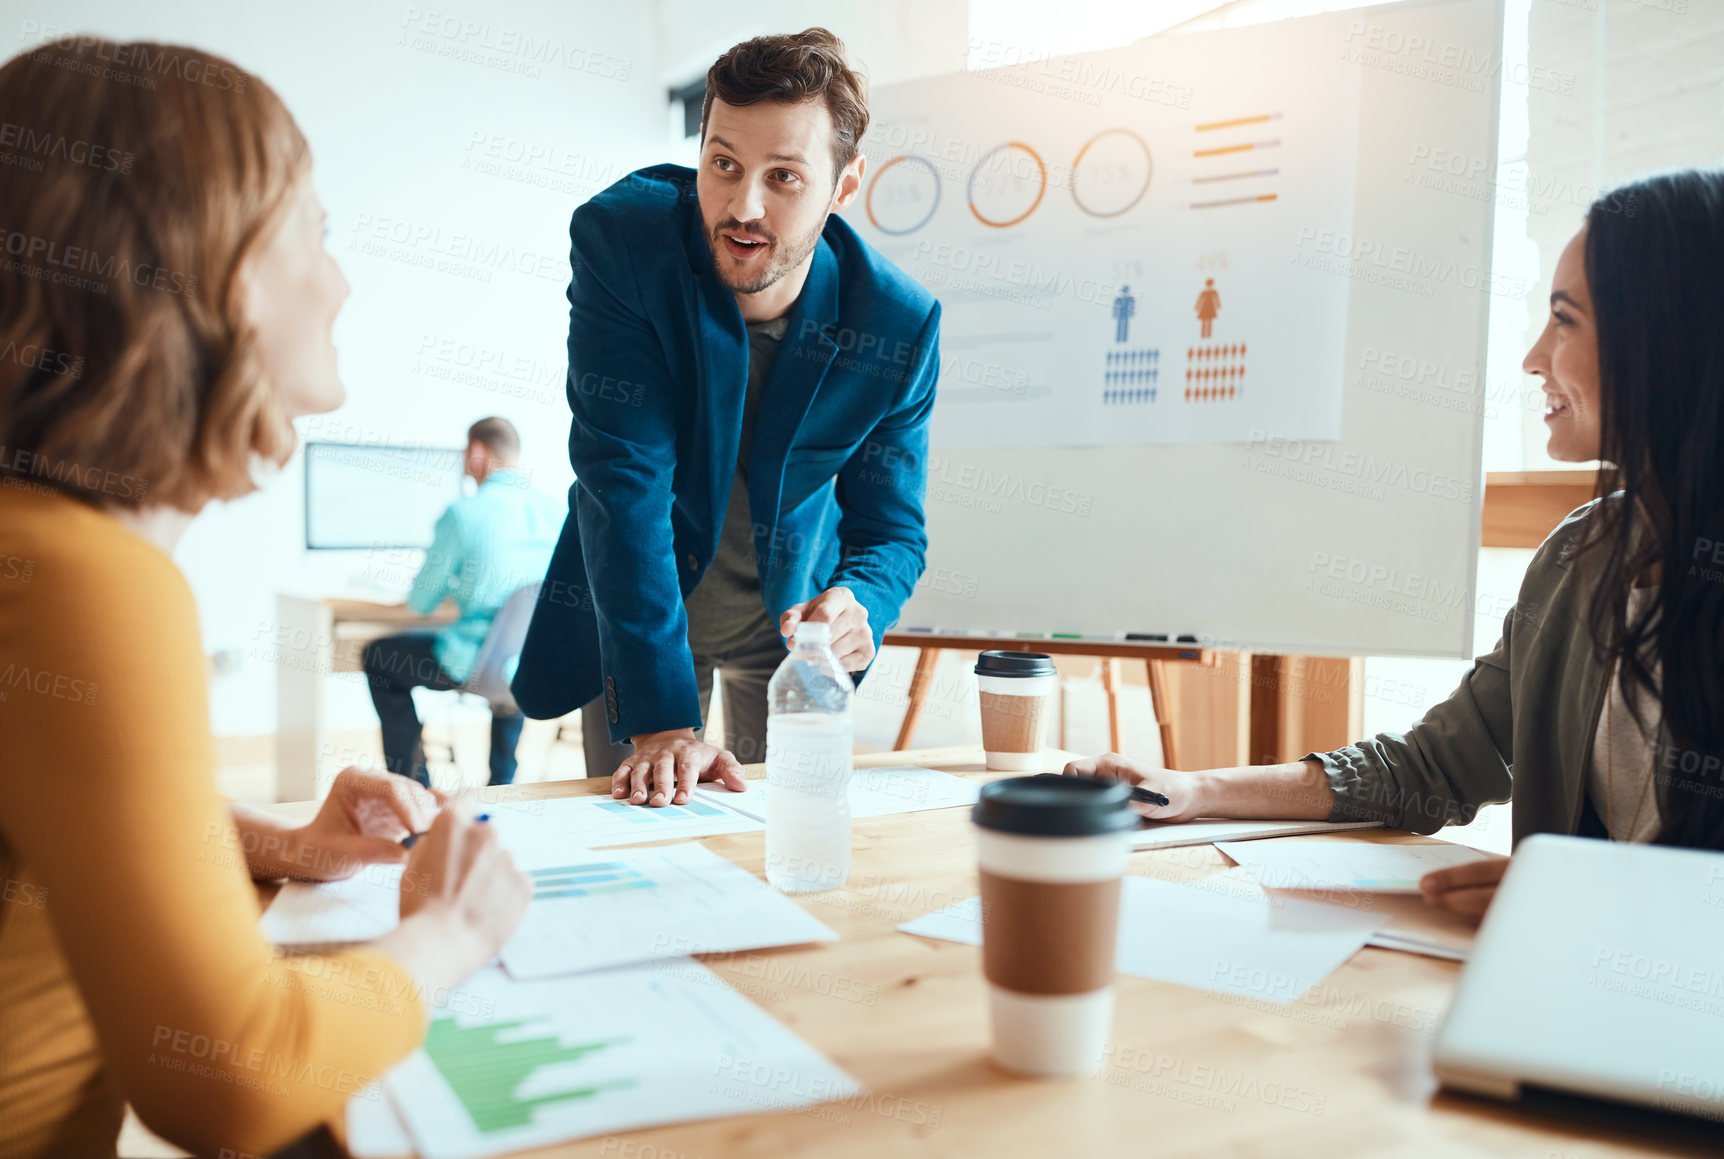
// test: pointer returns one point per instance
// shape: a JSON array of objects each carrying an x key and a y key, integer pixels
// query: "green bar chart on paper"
[
  {"x": 590, "y": 879},
  {"x": 486, "y": 1066}
]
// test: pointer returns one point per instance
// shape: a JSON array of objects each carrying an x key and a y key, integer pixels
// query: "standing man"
[
  {"x": 751, "y": 386},
  {"x": 487, "y": 545},
  {"x": 1124, "y": 307}
]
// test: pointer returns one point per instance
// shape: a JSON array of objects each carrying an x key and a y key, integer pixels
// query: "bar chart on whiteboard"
[{"x": 1144, "y": 245}]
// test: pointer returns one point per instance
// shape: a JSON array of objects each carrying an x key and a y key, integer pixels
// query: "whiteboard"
[
  {"x": 1109, "y": 248},
  {"x": 1277, "y": 541}
]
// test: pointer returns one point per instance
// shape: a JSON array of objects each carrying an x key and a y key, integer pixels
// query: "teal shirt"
[{"x": 487, "y": 545}]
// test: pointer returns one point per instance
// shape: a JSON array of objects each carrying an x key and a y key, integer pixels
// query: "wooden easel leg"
[
  {"x": 1269, "y": 717},
  {"x": 1161, "y": 702},
  {"x": 926, "y": 661},
  {"x": 1110, "y": 682}
]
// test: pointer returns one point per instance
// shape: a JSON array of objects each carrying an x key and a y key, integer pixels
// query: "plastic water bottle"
[{"x": 808, "y": 760}]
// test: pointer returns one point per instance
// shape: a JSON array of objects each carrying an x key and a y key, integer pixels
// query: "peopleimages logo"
[
  {"x": 457, "y": 37},
  {"x": 1321, "y": 455},
  {"x": 79, "y": 259},
  {"x": 1015, "y": 272},
  {"x": 1420, "y": 56},
  {"x": 1398, "y": 266},
  {"x": 59, "y": 147}
]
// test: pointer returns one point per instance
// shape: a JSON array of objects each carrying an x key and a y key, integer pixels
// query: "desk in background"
[
  {"x": 317, "y": 637},
  {"x": 1345, "y": 1071}
]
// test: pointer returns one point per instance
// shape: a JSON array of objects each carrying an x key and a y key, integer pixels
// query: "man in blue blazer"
[{"x": 751, "y": 387}]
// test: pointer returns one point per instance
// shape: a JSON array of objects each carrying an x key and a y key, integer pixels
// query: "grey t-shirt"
[{"x": 726, "y": 608}]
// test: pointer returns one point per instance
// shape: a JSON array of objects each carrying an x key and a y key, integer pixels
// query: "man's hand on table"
[
  {"x": 666, "y": 766},
  {"x": 852, "y": 642}
]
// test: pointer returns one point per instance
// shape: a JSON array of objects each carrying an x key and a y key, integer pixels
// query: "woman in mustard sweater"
[{"x": 165, "y": 310}]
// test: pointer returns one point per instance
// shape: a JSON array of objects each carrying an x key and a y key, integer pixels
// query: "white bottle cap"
[{"x": 817, "y": 633}]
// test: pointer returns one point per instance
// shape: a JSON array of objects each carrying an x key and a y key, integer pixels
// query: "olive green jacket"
[{"x": 1520, "y": 725}]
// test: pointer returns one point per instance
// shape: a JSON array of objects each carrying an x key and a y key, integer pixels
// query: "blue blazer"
[{"x": 658, "y": 367}]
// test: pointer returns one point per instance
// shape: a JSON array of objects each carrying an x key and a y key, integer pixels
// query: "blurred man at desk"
[{"x": 487, "y": 545}]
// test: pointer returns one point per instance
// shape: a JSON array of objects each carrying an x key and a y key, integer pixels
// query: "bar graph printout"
[
  {"x": 598, "y": 821},
  {"x": 524, "y": 1064},
  {"x": 594, "y": 911},
  {"x": 591, "y": 910}
]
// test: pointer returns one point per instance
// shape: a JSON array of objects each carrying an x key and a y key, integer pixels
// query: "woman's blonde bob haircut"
[{"x": 141, "y": 177}]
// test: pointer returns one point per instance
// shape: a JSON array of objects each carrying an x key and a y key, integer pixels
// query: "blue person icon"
[{"x": 1124, "y": 306}]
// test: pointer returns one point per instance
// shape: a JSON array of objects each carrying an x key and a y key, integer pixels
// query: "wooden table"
[{"x": 1343, "y": 1072}]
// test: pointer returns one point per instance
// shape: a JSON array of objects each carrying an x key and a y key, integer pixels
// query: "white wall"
[
  {"x": 889, "y": 40},
  {"x": 463, "y": 140},
  {"x": 1647, "y": 94}
]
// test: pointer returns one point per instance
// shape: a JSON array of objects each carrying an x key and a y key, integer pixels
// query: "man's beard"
[{"x": 777, "y": 265}]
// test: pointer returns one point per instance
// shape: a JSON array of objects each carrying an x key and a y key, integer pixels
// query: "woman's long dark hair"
[{"x": 1655, "y": 267}]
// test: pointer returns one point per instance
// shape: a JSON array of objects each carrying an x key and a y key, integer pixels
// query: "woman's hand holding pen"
[
  {"x": 461, "y": 897},
  {"x": 1183, "y": 791},
  {"x": 360, "y": 822}
]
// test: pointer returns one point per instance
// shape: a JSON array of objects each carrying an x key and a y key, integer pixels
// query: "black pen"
[{"x": 1147, "y": 796}]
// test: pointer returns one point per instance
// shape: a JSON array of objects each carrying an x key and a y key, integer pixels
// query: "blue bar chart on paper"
[
  {"x": 650, "y": 815},
  {"x": 592, "y": 912},
  {"x": 590, "y": 880},
  {"x": 533, "y": 828}
]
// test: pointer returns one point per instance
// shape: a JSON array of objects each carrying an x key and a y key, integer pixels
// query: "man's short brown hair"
[
  {"x": 497, "y": 435},
  {"x": 792, "y": 69}
]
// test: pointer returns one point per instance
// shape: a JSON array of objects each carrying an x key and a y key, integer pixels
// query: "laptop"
[{"x": 1598, "y": 971}]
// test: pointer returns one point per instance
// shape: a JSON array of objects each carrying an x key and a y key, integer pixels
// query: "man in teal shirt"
[{"x": 487, "y": 545}]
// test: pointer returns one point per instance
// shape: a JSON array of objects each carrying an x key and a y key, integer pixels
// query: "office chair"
[{"x": 494, "y": 667}]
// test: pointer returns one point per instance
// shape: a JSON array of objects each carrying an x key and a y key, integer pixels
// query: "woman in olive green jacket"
[{"x": 1601, "y": 710}]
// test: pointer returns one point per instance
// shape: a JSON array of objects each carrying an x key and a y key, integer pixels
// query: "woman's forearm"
[
  {"x": 272, "y": 848},
  {"x": 438, "y": 952},
  {"x": 1298, "y": 790}
]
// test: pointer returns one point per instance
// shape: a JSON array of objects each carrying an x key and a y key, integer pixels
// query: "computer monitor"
[{"x": 366, "y": 496}]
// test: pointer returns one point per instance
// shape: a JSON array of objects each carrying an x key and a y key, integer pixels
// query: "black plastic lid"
[
  {"x": 1052, "y": 805},
  {"x": 1015, "y": 664}
]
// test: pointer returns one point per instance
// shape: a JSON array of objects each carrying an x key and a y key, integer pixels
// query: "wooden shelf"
[{"x": 1523, "y": 507}]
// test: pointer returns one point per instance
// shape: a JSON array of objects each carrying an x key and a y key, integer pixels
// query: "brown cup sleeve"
[
  {"x": 1014, "y": 724},
  {"x": 1045, "y": 937}
]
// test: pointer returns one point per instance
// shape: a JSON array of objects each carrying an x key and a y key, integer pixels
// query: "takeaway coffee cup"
[
  {"x": 1018, "y": 692},
  {"x": 1051, "y": 851}
]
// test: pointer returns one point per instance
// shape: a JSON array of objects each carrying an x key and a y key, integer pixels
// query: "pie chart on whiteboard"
[
  {"x": 903, "y": 195},
  {"x": 1111, "y": 173},
  {"x": 1006, "y": 184}
]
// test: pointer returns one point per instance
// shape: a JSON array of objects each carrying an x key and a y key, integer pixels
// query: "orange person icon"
[{"x": 1208, "y": 305}]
